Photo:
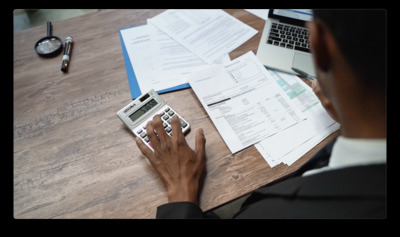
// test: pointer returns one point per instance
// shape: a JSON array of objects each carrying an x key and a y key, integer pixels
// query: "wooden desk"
[{"x": 73, "y": 158}]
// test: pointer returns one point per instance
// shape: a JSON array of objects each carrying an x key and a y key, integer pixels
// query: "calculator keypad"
[{"x": 166, "y": 115}]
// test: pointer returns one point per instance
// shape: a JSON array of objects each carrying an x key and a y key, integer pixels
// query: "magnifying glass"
[{"x": 49, "y": 46}]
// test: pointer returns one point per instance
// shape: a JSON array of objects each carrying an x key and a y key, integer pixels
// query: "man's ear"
[{"x": 319, "y": 45}]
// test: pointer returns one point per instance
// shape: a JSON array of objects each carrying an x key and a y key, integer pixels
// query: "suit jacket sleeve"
[{"x": 179, "y": 210}]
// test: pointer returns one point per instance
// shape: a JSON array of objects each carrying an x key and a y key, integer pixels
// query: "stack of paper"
[
  {"x": 249, "y": 105},
  {"x": 244, "y": 102},
  {"x": 177, "y": 42},
  {"x": 292, "y": 143}
]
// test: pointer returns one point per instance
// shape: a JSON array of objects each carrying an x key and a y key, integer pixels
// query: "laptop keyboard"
[{"x": 289, "y": 36}]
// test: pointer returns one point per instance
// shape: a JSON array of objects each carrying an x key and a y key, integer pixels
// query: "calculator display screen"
[{"x": 148, "y": 106}]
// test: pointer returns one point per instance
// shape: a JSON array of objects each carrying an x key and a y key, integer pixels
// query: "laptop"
[{"x": 284, "y": 42}]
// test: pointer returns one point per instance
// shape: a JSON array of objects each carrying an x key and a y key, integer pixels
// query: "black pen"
[
  {"x": 304, "y": 74},
  {"x": 67, "y": 54}
]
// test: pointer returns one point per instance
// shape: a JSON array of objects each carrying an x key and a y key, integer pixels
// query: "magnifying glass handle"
[{"x": 49, "y": 28}]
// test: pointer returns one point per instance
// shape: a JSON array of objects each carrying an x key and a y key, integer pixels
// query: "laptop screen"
[{"x": 296, "y": 14}]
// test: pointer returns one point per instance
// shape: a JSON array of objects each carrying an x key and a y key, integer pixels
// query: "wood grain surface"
[{"x": 73, "y": 157}]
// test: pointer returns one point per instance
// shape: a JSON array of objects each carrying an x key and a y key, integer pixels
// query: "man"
[{"x": 346, "y": 179}]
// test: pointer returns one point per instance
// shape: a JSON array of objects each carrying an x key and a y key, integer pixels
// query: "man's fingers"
[
  {"x": 152, "y": 135},
  {"x": 325, "y": 102},
  {"x": 200, "y": 143},
  {"x": 176, "y": 128},
  {"x": 314, "y": 85},
  {"x": 144, "y": 149},
  {"x": 159, "y": 128}
]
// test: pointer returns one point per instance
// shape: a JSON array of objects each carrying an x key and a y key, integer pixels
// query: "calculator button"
[
  {"x": 144, "y": 134},
  {"x": 170, "y": 113},
  {"x": 150, "y": 144},
  {"x": 183, "y": 123},
  {"x": 169, "y": 120},
  {"x": 139, "y": 131},
  {"x": 165, "y": 117},
  {"x": 167, "y": 109}
]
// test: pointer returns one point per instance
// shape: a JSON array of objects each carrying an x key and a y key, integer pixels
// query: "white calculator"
[{"x": 141, "y": 110}]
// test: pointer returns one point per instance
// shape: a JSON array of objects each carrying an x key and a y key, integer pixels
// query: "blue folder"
[{"x": 133, "y": 83}]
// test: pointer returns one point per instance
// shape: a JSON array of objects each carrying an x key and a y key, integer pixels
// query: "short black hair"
[{"x": 361, "y": 36}]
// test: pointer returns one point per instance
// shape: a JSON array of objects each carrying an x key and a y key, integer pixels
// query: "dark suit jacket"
[{"x": 353, "y": 192}]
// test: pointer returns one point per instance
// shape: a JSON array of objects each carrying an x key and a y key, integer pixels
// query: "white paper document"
[
  {"x": 158, "y": 60},
  {"x": 244, "y": 102},
  {"x": 159, "y": 51},
  {"x": 292, "y": 143},
  {"x": 137, "y": 42},
  {"x": 170, "y": 59},
  {"x": 262, "y": 13},
  {"x": 209, "y": 34}
]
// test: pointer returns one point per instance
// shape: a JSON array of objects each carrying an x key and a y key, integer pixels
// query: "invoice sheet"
[
  {"x": 210, "y": 34},
  {"x": 292, "y": 143},
  {"x": 244, "y": 102}
]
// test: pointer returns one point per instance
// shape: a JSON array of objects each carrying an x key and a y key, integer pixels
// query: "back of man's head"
[{"x": 361, "y": 36}]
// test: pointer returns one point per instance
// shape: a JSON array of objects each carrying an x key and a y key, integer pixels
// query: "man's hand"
[
  {"x": 326, "y": 103},
  {"x": 180, "y": 167}
]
